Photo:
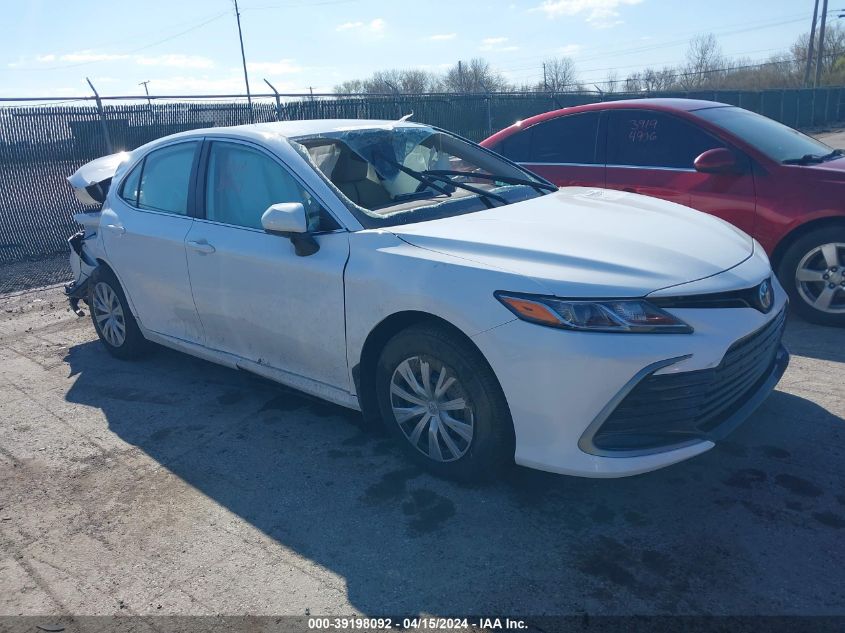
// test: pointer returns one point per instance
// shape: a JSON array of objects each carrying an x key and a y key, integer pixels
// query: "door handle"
[
  {"x": 116, "y": 228},
  {"x": 201, "y": 246}
]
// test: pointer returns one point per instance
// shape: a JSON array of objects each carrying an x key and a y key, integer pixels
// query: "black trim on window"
[
  {"x": 196, "y": 198},
  {"x": 139, "y": 167}
]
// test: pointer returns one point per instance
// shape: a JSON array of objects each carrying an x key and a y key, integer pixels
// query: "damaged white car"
[{"x": 394, "y": 268}]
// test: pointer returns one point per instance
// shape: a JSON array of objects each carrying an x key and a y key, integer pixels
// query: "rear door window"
[
  {"x": 165, "y": 177},
  {"x": 643, "y": 138}
]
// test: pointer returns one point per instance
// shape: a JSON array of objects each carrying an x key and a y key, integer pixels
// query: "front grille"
[{"x": 662, "y": 410}]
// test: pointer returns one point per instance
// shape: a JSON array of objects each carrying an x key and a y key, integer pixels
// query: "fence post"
[
  {"x": 489, "y": 114},
  {"x": 278, "y": 103},
  {"x": 103, "y": 123}
]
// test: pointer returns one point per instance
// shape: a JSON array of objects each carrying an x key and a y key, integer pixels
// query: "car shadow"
[{"x": 711, "y": 535}]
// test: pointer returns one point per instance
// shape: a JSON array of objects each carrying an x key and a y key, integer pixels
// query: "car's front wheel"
[
  {"x": 439, "y": 398},
  {"x": 112, "y": 318},
  {"x": 813, "y": 272}
]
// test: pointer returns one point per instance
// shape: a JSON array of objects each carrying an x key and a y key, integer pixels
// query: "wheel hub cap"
[
  {"x": 820, "y": 278},
  {"x": 109, "y": 314},
  {"x": 432, "y": 408}
]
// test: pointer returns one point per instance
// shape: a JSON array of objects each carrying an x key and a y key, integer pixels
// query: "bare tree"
[
  {"x": 477, "y": 76},
  {"x": 350, "y": 86},
  {"x": 651, "y": 80},
  {"x": 704, "y": 59},
  {"x": 559, "y": 75},
  {"x": 412, "y": 81},
  {"x": 834, "y": 53},
  {"x": 611, "y": 83}
]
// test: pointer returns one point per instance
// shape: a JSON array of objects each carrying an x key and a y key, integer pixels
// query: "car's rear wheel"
[
  {"x": 439, "y": 398},
  {"x": 112, "y": 317},
  {"x": 813, "y": 272}
]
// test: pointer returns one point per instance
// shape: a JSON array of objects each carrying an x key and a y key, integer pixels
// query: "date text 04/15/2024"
[{"x": 417, "y": 623}]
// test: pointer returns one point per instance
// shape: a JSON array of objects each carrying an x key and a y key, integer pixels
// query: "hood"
[
  {"x": 91, "y": 181},
  {"x": 831, "y": 169},
  {"x": 583, "y": 242}
]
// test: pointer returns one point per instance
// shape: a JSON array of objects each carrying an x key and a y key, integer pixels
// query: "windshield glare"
[
  {"x": 773, "y": 139},
  {"x": 390, "y": 175}
]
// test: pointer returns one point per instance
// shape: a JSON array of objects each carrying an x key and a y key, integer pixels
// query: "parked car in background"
[
  {"x": 782, "y": 187},
  {"x": 397, "y": 269}
]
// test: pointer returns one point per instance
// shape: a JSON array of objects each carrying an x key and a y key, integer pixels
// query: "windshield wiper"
[
  {"x": 427, "y": 179},
  {"x": 417, "y": 176},
  {"x": 511, "y": 180},
  {"x": 834, "y": 154},
  {"x": 806, "y": 159}
]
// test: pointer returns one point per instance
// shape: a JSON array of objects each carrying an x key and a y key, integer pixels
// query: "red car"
[{"x": 782, "y": 187}]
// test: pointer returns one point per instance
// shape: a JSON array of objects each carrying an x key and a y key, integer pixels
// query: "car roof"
[
  {"x": 666, "y": 104},
  {"x": 286, "y": 129}
]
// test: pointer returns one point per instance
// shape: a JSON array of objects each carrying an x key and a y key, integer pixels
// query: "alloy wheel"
[
  {"x": 432, "y": 408},
  {"x": 820, "y": 278},
  {"x": 109, "y": 314}
]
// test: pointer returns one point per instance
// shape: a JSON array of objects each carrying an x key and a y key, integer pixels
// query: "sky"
[{"x": 190, "y": 47}]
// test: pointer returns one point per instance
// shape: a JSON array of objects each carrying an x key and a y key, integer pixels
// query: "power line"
[
  {"x": 676, "y": 74},
  {"x": 649, "y": 47},
  {"x": 126, "y": 53}
]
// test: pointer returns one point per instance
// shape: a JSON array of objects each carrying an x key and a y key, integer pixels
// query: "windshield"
[
  {"x": 400, "y": 174},
  {"x": 775, "y": 140}
]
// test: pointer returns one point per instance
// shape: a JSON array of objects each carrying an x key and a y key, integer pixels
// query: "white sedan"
[{"x": 483, "y": 315}]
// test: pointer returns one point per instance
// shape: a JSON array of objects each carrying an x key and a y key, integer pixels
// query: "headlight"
[{"x": 605, "y": 315}]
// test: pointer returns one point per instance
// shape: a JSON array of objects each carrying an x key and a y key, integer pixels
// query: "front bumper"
[{"x": 561, "y": 386}]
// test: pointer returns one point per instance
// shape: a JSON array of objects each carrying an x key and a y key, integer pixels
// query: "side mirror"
[
  {"x": 285, "y": 218},
  {"x": 717, "y": 161},
  {"x": 289, "y": 219}
]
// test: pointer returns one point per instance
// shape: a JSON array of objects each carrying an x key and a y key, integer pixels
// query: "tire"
[
  {"x": 482, "y": 452},
  {"x": 112, "y": 318},
  {"x": 811, "y": 256}
]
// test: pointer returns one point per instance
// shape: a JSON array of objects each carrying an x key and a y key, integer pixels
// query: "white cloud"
[
  {"x": 85, "y": 57},
  {"x": 175, "y": 61},
  {"x": 497, "y": 45},
  {"x": 281, "y": 67},
  {"x": 599, "y": 13},
  {"x": 442, "y": 37},
  {"x": 374, "y": 27},
  {"x": 570, "y": 50}
]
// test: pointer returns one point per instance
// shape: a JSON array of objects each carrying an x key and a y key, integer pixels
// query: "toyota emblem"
[{"x": 765, "y": 296}]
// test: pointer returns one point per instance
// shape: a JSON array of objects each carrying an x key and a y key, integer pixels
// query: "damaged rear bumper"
[{"x": 83, "y": 267}]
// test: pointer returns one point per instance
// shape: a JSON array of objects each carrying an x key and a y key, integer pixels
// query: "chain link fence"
[{"x": 40, "y": 146}]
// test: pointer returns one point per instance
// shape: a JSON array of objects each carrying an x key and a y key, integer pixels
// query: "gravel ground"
[{"x": 173, "y": 486}]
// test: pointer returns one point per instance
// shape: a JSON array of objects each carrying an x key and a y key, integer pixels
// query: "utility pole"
[
  {"x": 810, "y": 46},
  {"x": 461, "y": 75},
  {"x": 147, "y": 91},
  {"x": 243, "y": 59},
  {"x": 820, "y": 61},
  {"x": 545, "y": 82}
]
